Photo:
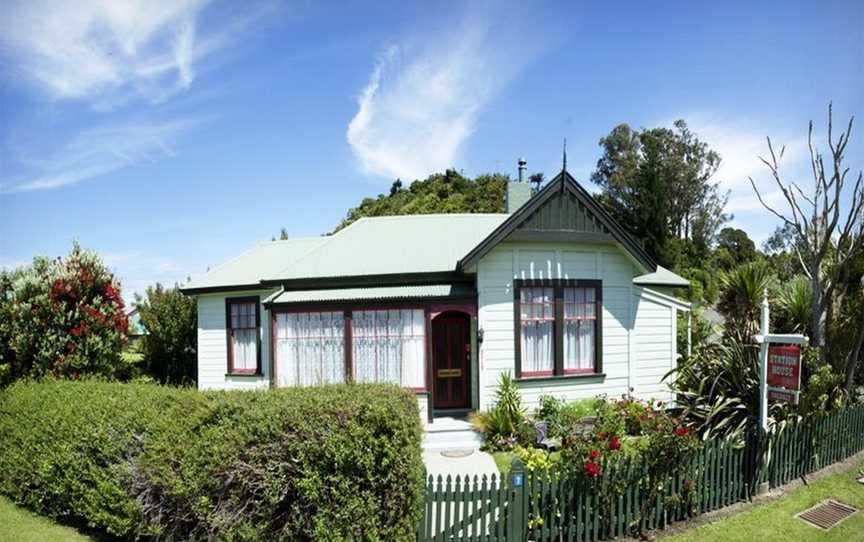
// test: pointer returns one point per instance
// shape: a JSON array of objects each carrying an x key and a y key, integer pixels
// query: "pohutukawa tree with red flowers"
[{"x": 63, "y": 317}]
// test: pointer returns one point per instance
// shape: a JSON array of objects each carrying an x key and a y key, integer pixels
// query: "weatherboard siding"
[
  {"x": 213, "y": 345},
  {"x": 622, "y": 305},
  {"x": 655, "y": 347}
]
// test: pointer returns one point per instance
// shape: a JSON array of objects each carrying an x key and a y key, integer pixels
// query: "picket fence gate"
[{"x": 526, "y": 506}]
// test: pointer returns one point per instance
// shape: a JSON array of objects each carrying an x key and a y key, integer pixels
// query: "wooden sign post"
[{"x": 779, "y": 372}]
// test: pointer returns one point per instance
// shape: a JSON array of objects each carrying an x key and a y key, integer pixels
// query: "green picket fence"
[
  {"x": 534, "y": 507},
  {"x": 616, "y": 504},
  {"x": 814, "y": 443},
  {"x": 468, "y": 509}
]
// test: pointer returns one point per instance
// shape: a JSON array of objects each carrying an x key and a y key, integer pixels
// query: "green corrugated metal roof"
[
  {"x": 257, "y": 263},
  {"x": 394, "y": 245},
  {"x": 370, "y": 246},
  {"x": 373, "y": 294},
  {"x": 389, "y": 245}
]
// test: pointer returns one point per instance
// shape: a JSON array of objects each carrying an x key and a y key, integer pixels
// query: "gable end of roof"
[{"x": 578, "y": 216}]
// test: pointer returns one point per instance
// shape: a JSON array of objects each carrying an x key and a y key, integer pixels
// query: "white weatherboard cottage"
[{"x": 554, "y": 292}]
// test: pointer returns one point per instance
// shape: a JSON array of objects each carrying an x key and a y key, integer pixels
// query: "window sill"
[
  {"x": 255, "y": 374},
  {"x": 564, "y": 377}
]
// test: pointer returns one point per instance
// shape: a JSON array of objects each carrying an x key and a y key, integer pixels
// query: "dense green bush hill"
[{"x": 152, "y": 462}]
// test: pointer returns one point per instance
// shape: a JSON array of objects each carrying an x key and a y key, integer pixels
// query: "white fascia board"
[{"x": 664, "y": 299}]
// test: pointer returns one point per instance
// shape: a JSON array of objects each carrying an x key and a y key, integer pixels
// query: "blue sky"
[{"x": 169, "y": 136}]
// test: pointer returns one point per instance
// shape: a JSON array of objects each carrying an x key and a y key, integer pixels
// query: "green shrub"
[
  {"x": 170, "y": 346},
  {"x": 535, "y": 459},
  {"x": 505, "y": 424},
  {"x": 140, "y": 460},
  {"x": 823, "y": 391},
  {"x": 61, "y": 317},
  {"x": 561, "y": 416}
]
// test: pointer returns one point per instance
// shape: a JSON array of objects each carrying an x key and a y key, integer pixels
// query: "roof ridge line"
[
  {"x": 256, "y": 246},
  {"x": 310, "y": 238},
  {"x": 326, "y": 239},
  {"x": 421, "y": 215}
]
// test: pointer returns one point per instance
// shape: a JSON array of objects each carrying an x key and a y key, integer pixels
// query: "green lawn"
[
  {"x": 503, "y": 461},
  {"x": 775, "y": 521},
  {"x": 17, "y": 524}
]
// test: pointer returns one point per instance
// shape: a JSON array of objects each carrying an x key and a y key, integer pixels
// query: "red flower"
[
  {"x": 95, "y": 314},
  {"x": 112, "y": 294},
  {"x": 615, "y": 443},
  {"x": 592, "y": 469},
  {"x": 80, "y": 329},
  {"x": 594, "y": 454},
  {"x": 681, "y": 431},
  {"x": 121, "y": 323},
  {"x": 57, "y": 289}
]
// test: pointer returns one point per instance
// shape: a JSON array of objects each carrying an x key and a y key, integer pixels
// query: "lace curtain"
[
  {"x": 310, "y": 348},
  {"x": 388, "y": 346}
]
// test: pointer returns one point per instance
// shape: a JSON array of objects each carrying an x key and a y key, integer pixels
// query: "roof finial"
[{"x": 565, "y": 155}]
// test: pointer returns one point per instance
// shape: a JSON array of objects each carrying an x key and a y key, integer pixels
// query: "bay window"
[
  {"x": 310, "y": 348},
  {"x": 363, "y": 345},
  {"x": 558, "y": 327},
  {"x": 243, "y": 322},
  {"x": 388, "y": 346}
]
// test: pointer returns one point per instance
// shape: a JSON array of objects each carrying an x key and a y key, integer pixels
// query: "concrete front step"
[{"x": 450, "y": 434}]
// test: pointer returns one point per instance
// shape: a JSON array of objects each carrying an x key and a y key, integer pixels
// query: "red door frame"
[{"x": 464, "y": 320}]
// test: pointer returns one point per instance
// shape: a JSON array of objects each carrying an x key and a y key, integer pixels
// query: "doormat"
[
  {"x": 826, "y": 514},
  {"x": 455, "y": 454}
]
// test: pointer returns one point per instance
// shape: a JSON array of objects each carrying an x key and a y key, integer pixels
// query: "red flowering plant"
[
  {"x": 66, "y": 319},
  {"x": 633, "y": 444}
]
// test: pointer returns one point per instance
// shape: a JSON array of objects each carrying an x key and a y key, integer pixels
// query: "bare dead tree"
[{"x": 829, "y": 237}]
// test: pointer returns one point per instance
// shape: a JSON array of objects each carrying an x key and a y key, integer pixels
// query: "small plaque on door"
[{"x": 449, "y": 373}]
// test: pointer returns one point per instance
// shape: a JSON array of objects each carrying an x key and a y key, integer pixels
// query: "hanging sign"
[
  {"x": 784, "y": 366},
  {"x": 784, "y": 372},
  {"x": 781, "y": 394}
]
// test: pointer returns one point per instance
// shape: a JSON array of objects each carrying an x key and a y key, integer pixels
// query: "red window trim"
[
  {"x": 558, "y": 286},
  {"x": 531, "y": 374},
  {"x": 229, "y": 333}
]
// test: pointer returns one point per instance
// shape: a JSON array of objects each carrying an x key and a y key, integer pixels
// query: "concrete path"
[{"x": 478, "y": 463}]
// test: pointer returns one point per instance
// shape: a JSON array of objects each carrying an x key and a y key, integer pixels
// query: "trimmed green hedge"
[{"x": 141, "y": 460}]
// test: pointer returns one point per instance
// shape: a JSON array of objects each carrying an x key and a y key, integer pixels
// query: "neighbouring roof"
[
  {"x": 372, "y": 294},
  {"x": 135, "y": 325},
  {"x": 257, "y": 263},
  {"x": 661, "y": 277}
]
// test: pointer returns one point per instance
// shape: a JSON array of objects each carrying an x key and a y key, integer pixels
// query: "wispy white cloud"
[
  {"x": 742, "y": 201},
  {"x": 138, "y": 269},
  {"x": 99, "y": 151},
  {"x": 106, "y": 51},
  {"x": 425, "y": 94},
  {"x": 741, "y": 143}
]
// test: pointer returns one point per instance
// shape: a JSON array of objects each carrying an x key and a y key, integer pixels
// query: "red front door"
[{"x": 451, "y": 355}]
